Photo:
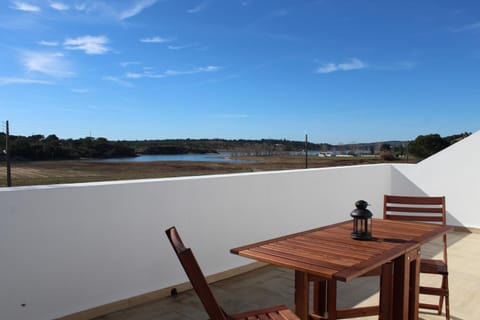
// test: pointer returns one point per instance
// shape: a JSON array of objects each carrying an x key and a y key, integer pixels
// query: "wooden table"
[{"x": 330, "y": 253}]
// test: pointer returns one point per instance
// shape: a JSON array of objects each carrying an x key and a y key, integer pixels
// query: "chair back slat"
[
  {"x": 422, "y": 209},
  {"x": 415, "y": 218},
  {"x": 196, "y": 276},
  {"x": 430, "y": 209}
]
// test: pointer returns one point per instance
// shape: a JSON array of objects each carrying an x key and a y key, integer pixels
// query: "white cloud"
[
  {"x": 78, "y": 90},
  {"x": 60, "y": 6},
  {"x": 468, "y": 27},
  {"x": 23, "y": 6},
  {"x": 118, "y": 81},
  {"x": 80, "y": 7},
  {"x": 89, "y": 44},
  {"x": 202, "y": 6},
  {"x": 134, "y": 75},
  {"x": 137, "y": 7},
  {"x": 129, "y": 63},
  {"x": 48, "y": 43},
  {"x": 155, "y": 40},
  {"x": 52, "y": 64},
  {"x": 144, "y": 74},
  {"x": 353, "y": 64},
  {"x": 13, "y": 80},
  {"x": 171, "y": 47},
  {"x": 151, "y": 74},
  {"x": 192, "y": 71}
]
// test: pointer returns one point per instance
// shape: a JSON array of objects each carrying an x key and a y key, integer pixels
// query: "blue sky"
[{"x": 341, "y": 71}]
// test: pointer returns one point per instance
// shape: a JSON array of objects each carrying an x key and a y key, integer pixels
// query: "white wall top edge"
[{"x": 200, "y": 177}]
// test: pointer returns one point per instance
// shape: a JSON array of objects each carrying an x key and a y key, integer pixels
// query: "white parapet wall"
[
  {"x": 68, "y": 248},
  {"x": 454, "y": 172}
]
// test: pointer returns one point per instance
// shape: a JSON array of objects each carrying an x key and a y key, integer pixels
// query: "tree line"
[{"x": 38, "y": 147}]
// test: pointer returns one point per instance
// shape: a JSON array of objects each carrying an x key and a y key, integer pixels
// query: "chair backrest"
[
  {"x": 421, "y": 209},
  {"x": 195, "y": 275}
]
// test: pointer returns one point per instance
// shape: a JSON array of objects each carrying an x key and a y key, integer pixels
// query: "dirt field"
[{"x": 54, "y": 172}]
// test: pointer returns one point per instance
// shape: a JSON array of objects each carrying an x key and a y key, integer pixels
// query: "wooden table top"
[{"x": 330, "y": 252}]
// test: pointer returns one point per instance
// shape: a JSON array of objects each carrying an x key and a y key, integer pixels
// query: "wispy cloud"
[
  {"x": 51, "y": 64},
  {"x": 48, "y": 43},
  {"x": 118, "y": 81},
  {"x": 12, "y": 80},
  {"x": 144, "y": 74},
  {"x": 172, "y": 47},
  {"x": 129, "y": 63},
  {"x": 79, "y": 90},
  {"x": 23, "y": 6},
  {"x": 192, "y": 71},
  {"x": 156, "y": 39},
  {"x": 150, "y": 73},
  {"x": 353, "y": 64},
  {"x": 469, "y": 27},
  {"x": 202, "y": 6},
  {"x": 60, "y": 6},
  {"x": 89, "y": 44},
  {"x": 137, "y": 7}
]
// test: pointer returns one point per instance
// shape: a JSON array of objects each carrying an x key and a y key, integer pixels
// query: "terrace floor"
[{"x": 270, "y": 285}]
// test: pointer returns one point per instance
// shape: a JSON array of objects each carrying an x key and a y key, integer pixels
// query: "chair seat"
[
  {"x": 272, "y": 313},
  {"x": 433, "y": 266}
]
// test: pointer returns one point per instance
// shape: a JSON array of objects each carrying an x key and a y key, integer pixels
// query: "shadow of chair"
[
  {"x": 199, "y": 283},
  {"x": 428, "y": 210}
]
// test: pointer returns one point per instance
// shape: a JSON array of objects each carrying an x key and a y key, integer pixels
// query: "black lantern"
[{"x": 362, "y": 221}]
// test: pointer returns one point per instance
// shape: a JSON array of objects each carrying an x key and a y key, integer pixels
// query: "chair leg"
[
  {"x": 447, "y": 297},
  {"x": 441, "y": 298}
]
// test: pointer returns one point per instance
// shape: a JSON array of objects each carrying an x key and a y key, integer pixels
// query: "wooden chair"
[
  {"x": 430, "y": 210},
  {"x": 199, "y": 283}
]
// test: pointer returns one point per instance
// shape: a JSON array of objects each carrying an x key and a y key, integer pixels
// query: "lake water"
[{"x": 209, "y": 157}]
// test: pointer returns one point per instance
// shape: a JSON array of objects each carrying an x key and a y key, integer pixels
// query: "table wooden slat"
[{"x": 330, "y": 252}]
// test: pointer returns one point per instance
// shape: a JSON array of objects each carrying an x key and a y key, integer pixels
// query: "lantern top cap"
[
  {"x": 361, "y": 204},
  {"x": 361, "y": 211}
]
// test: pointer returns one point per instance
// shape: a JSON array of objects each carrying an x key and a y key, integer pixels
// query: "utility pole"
[
  {"x": 306, "y": 151},
  {"x": 7, "y": 150}
]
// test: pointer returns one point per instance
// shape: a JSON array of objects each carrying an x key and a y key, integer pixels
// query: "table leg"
[
  {"x": 332, "y": 299},
  {"x": 406, "y": 285},
  {"x": 386, "y": 292},
  {"x": 414, "y": 258},
  {"x": 319, "y": 297},
  {"x": 401, "y": 281},
  {"x": 301, "y": 294}
]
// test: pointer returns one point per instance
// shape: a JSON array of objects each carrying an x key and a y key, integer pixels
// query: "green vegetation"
[
  {"x": 426, "y": 145},
  {"x": 266, "y": 155},
  {"x": 39, "y": 147}
]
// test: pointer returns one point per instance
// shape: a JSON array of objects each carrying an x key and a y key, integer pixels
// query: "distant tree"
[
  {"x": 426, "y": 145},
  {"x": 386, "y": 152}
]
